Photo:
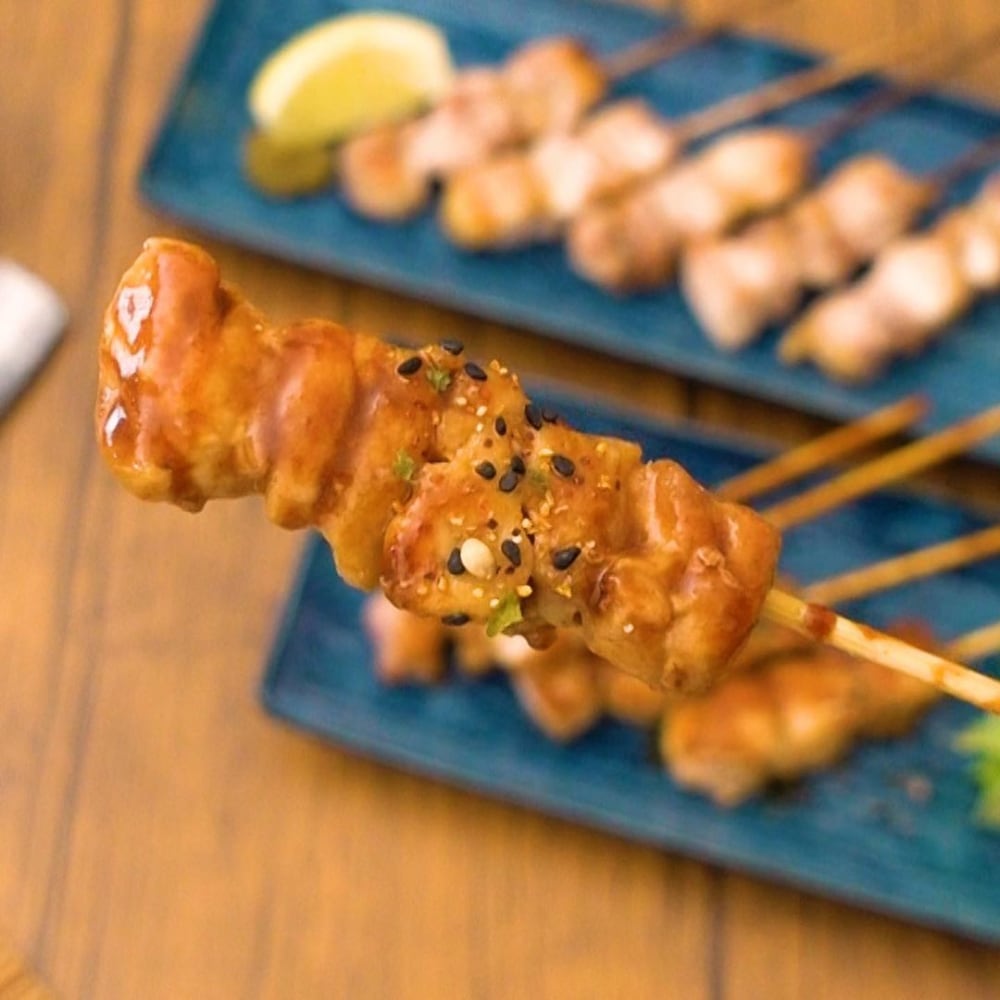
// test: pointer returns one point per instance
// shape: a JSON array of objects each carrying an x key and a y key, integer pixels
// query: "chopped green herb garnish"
[
  {"x": 537, "y": 478},
  {"x": 506, "y": 613},
  {"x": 982, "y": 741},
  {"x": 440, "y": 378},
  {"x": 404, "y": 467}
]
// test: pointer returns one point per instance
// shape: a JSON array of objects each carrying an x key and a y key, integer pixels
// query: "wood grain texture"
[{"x": 159, "y": 837}]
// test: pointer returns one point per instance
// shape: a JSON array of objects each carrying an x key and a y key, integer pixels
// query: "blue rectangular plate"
[
  {"x": 852, "y": 833},
  {"x": 193, "y": 172}
]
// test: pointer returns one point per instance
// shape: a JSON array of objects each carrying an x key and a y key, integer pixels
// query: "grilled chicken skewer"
[
  {"x": 790, "y": 716},
  {"x": 738, "y": 286},
  {"x": 530, "y": 195},
  {"x": 565, "y": 689},
  {"x": 440, "y": 482},
  {"x": 429, "y": 475},
  {"x": 545, "y": 87},
  {"x": 632, "y": 242},
  {"x": 916, "y": 287}
]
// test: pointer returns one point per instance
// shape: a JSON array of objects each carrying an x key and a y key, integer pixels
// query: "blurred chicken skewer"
[
  {"x": 530, "y": 195},
  {"x": 738, "y": 286},
  {"x": 632, "y": 242},
  {"x": 917, "y": 286},
  {"x": 546, "y": 86}
]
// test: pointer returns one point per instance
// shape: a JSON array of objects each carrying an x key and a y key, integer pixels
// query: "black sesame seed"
[
  {"x": 549, "y": 416},
  {"x": 533, "y": 414},
  {"x": 564, "y": 558},
  {"x": 517, "y": 464},
  {"x": 474, "y": 371},
  {"x": 508, "y": 481},
  {"x": 452, "y": 346},
  {"x": 455, "y": 566},
  {"x": 563, "y": 465},
  {"x": 410, "y": 366},
  {"x": 457, "y": 619},
  {"x": 486, "y": 469},
  {"x": 511, "y": 550},
  {"x": 500, "y": 426},
  {"x": 492, "y": 524}
]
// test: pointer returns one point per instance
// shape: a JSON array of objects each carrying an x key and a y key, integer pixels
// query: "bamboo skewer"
[
  {"x": 975, "y": 645},
  {"x": 813, "y": 455},
  {"x": 888, "y": 468},
  {"x": 788, "y": 90},
  {"x": 646, "y": 53},
  {"x": 823, "y": 625},
  {"x": 906, "y": 568}
]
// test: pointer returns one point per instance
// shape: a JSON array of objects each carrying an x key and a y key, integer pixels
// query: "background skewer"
[{"x": 826, "y": 626}]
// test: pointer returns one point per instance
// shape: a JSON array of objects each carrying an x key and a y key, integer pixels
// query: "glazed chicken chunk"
[{"x": 431, "y": 476}]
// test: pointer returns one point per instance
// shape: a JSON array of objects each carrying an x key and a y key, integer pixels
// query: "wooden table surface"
[{"x": 159, "y": 836}]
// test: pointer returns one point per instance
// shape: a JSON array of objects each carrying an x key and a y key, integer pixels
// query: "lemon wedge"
[{"x": 349, "y": 73}]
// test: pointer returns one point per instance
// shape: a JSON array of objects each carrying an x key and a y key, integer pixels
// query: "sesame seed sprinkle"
[
  {"x": 500, "y": 426},
  {"x": 452, "y": 346},
  {"x": 508, "y": 481},
  {"x": 410, "y": 366},
  {"x": 563, "y": 465},
  {"x": 533, "y": 414},
  {"x": 474, "y": 371},
  {"x": 457, "y": 619},
  {"x": 481, "y": 410},
  {"x": 455, "y": 566},
  {"x": 486, "y": 469},
  {"x": 564, "y": 558},
  {"x": 511, "y": 550},
  {"x": 517, "y": 464}
]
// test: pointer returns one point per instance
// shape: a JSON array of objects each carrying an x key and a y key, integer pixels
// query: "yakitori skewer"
[
  {"x": 544, "y": 87},
  {"x": 916, "y": 288},
  {"x": 548, "y": 85},
  {"x": 906, "y": 568},
  {"x": 738, "y": 286},
  {"x": 530, "y": 194},
  {"x": 822, "y": 451},
  {"x": 889, "y": 468},
  {"x": 633, "y": 241},
  {"x": 439, "y": 481},
  {"x": 795, "y": 715}
]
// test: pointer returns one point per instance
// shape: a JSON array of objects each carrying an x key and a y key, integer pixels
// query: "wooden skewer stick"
[
  {"x": 826, "y": 626},
  {"x": 646, "y": 53},
  {"x": 905, "y": 568},
  {"x": 787, "y": 90},
  {"x": 821, "y": 451},
  {"x": 929, "y": 68},
  {"x": 975, "y": 645},
  {"x": 889, "y": 468}
]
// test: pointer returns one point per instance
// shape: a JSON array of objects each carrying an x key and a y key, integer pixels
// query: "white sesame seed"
[
  {"x": 456, "y": 520},
  {"x": 460, "y": 400},
  {"x": 494, "y": 602},
  {"x": 628, "y": 628},
  {"x": 478, "y": 559},
  {"x": 481, "y": 410},
  {"x": 524, "y": 590},
  {"x": 478, "y": 592}
]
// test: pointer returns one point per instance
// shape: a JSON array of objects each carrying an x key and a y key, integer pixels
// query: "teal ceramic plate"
[
  {"x": 193, "y": 172},
  {"x": 852, "y": 833}
]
